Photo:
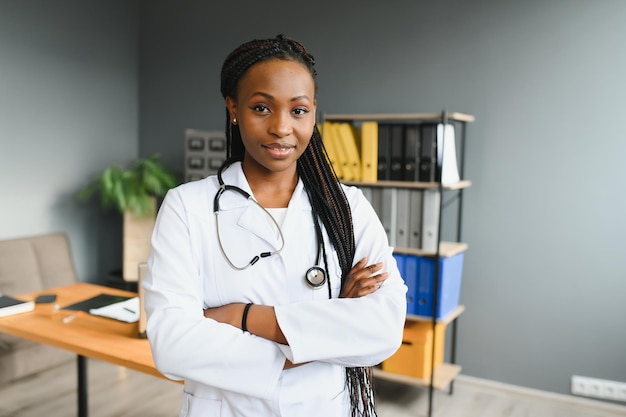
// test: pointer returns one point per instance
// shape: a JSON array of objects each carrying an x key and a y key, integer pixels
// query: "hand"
[{"x": 363, "y": 280}]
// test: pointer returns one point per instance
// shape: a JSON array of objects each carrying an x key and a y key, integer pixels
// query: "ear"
[{"x": 232, "y": 107}]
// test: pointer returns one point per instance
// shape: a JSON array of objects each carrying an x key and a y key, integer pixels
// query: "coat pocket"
[{"x": 193, "y": 406}]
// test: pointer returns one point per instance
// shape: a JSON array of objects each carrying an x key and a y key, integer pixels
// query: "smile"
[{"x": 277, "y": 150}]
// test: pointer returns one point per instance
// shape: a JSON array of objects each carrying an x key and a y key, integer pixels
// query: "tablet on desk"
[
  {"x": 100, "y": 300},
  {"x": 127, "y": 311},
  {"x": 116, "y": 307}
]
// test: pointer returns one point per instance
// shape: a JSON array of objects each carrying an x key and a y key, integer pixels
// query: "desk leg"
[{"x": 81, "y": 366}]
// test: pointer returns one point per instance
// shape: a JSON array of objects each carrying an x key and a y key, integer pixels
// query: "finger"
[
  {"x": 365, "y": 271},
  {"x": 370, "y": 285},
  {"x": 361, "y": 280},
  {"x": 382, "y": 277},
  {"x": 358, "y": 271},
  {"x": 377, "y": 281},
  {"x": 349, "y": 285},
  {"x": 357, "y": 288},
  {"x": 359, "y": 265},
  {"x": 369, "y": 290},
  {"x": 374, "y": 267}
]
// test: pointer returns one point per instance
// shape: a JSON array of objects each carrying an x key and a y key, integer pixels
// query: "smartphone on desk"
[{"x": 46, "y": 298}]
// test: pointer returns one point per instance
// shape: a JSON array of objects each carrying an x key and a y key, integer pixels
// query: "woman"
[{"x": 260, "y": 294}]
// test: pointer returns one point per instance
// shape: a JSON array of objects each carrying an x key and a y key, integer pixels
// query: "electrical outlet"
[
  {"x": 621, "y": 392},
  {"x": 579, "y": 385},
  {"x": 598, "y": 388}
]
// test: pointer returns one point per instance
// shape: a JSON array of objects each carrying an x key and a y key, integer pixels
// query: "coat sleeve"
[
  {"x": 351, "y": 331},
  {"x": 185, "y": 344}
]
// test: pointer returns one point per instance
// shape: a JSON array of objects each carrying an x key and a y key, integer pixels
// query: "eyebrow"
[{"x": 271, "y": 97}]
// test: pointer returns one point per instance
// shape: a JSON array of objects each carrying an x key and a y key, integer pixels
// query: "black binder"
[
  {"x": 412, "y": 152},
  {"x": 384, "y": 151},
  {"x": 396, "y": 168},
  {"x": 428, "y": 153}
]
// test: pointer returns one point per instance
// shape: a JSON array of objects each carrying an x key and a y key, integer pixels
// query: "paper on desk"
[{"x": 127, "y": 310}]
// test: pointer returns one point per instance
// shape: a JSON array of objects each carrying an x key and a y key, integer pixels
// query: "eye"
[
  {"x": 300, "y": 111},
  {"x": 261, "y": 108}
]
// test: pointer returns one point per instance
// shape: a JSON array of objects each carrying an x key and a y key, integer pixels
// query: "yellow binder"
[
  {"x": 369, "y": 151},
  {"x": 342, "y": 158},
  {"x": 350, "y": 150},
  {"x": 330, "y": 143}
]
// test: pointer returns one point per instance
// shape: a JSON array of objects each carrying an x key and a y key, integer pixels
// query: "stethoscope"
[{"x": 315, "y": 276}]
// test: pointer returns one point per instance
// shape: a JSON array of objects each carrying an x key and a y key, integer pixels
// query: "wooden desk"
[{"x": 88, "y": 336}]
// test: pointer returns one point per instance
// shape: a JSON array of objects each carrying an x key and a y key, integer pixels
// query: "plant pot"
[{"x": 136, "y": 242}]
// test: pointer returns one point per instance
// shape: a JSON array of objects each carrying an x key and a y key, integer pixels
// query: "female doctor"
[{"x": 271, "y": 288}]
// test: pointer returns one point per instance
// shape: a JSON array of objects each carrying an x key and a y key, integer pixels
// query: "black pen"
[{"x": 129, "y": 310}]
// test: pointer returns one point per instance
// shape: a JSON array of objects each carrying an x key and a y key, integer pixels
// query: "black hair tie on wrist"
[{"x": 244, "y": 328}]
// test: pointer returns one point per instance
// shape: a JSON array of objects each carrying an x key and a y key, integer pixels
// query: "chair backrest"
[{"x": 35, "y": 263}]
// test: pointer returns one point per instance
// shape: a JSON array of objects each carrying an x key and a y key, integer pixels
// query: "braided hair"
[{"x": 328, "y": 201}]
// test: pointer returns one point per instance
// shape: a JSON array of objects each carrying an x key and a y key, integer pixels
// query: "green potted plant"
[{"x": 132, "y": 191}]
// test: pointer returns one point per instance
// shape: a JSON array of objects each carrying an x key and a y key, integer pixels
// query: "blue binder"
[
  {"x": 449, "y": 281},
  {"x": 411, "y": 268}
]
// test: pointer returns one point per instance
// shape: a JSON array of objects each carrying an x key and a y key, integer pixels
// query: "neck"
[{"x": 271, "y": 189}]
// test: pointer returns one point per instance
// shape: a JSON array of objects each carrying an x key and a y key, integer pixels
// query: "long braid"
[
  {"x": 331, "y": 205},
  {"x": 326, "y": 196}
]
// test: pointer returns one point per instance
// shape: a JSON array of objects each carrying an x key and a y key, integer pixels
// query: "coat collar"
[
  {"x": 233, "y": 175},
  {"x": 251, "y": 217}
]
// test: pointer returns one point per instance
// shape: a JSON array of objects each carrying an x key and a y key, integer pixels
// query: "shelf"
[
  {"x": 410, "y": 184},
  {"x": 447, "y": 319},
  {"x": 452, "y": 116},
  {"x": 446, "y": 250},
  {"x": 444, "y": 374}
]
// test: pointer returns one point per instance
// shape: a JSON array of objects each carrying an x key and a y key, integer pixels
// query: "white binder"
[
  {"x": 388, "y": 215},
  {"x": 415, "y": 219},
  {"x": 403, "y": 210},
  {"x": 430, "y": 219},
  {"x": 446, "y": 154}
]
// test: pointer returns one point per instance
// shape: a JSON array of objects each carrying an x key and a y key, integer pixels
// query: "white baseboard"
[{"x": 539, "y": 394}]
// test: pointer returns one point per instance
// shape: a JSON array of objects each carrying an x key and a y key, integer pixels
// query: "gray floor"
[{"x": 118, "y": 392}]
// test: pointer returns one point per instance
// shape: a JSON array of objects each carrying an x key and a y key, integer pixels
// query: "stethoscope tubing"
[{"x": 312, "y": 274}]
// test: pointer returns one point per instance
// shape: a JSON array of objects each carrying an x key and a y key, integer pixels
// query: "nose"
[{"x": 280, "y": 124}]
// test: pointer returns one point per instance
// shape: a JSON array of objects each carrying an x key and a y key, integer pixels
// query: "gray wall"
[
  {"x": 545, "y": 279},
  {"x": 68, "y": 108}
]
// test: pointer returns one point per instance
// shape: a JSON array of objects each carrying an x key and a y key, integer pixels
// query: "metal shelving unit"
[{"x": 442, "y": 377}]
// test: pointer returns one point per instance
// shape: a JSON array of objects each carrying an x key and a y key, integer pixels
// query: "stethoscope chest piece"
[{"x": 315, "y": 276}]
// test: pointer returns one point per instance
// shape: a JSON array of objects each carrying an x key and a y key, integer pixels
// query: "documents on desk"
[
  {"x": 127, "y": 310},
  {"x": 10, "y": 305}
]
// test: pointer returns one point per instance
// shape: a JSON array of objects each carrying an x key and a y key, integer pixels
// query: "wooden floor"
[{"x": 119, "y": 392}]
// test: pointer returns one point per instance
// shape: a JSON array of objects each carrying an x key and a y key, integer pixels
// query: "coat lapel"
[{"x": 250, "y": 216}]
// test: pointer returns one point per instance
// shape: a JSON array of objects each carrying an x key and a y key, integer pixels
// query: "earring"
[{"x": 234, "y": 120}]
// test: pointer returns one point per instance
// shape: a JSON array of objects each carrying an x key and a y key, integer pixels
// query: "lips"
[
  {"x": 279, "y": 150},
  {"x": 278, "y": 146}
]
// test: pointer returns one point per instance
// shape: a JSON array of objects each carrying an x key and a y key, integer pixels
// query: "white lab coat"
[{"x": 229, "y": 373}]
